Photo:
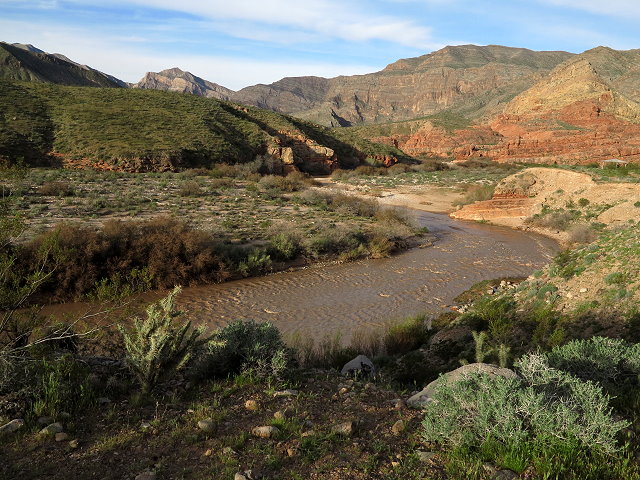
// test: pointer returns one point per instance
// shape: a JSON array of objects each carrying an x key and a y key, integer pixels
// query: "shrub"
[
  {"x": 602, "y": 360},
  {"x": 582, "y": 233},
  {"x": 60, "y": 385},
  {"x": 293, "y": 182},
  {"x": 243, "y": 347},
  {"x": 285, "y": 245},
  {"x": 351, "y": 205},
  {"x": 57, "y": 189},
  {"x": 190, "y": 189},
  {"x": 476, "y": 193},
  {"x": 156, "y": 347},
  {"x": 406, "y": 335},
  {"x": 546, "y": 410},
  {"x": 616, "y": 278}
]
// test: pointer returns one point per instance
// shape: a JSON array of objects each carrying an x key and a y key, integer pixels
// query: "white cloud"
[
  {"x": 329, "y": 18},
  {"x": 128, "y": 60}
]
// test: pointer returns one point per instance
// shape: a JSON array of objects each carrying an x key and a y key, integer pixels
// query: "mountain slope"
[
  {"x": 27, "y": 63},
  {"x": 479, "y": 77},
  {"x": 145, "y": 130},
  {"x": 176, "y": 80}
]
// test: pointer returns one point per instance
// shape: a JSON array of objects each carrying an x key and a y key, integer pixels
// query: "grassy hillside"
[
  {"x": 121, "y": 127},
  {"x": 22, "y": 65}
]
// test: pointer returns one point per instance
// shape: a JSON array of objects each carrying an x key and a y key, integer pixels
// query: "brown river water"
[
  {"x": 366, "y": 294},
  {"x": 324, "y": 299}
]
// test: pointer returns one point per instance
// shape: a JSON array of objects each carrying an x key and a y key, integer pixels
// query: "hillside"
[
  {"x": 560, "y": 203},
  {"x": 143, "y": 130},
  {"x": 176, "y": 80},
  {"x": 476, "y": 79},
  {"x": 27, "y": 63},
  {"x": 586, "y": 109}
]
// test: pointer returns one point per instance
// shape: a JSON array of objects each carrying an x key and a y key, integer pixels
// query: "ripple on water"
[{"x": 345, "y": 297}]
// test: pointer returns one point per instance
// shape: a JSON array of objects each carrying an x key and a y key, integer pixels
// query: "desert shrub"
[
  {"x": 555, "y": 220},
  {"x": 285, "y": 244},
  {"x": 476, "y": 193},
  {"x": 406, "y": 335},
  {"x": 380, "y": 247},
  {"x": 257, "y": 262},
  {"x": 544, "y": 412},
  {"x": 168, "y": 250},
  {"x": 582, "y": 233},
  {"x": 399, "y": 168},
  {"x": 190, "y": 189},
  {"x": 603, "y": 360},
  {"x": 370, "y": 171},
  {"x": 243, "y": 347},
  {"x": 156, "y": 346},
  {"x": 616, "y": 278},
  {"x": 57, "y": 189},
  {"x": 351, "y": 205},
  {"x": 60, "y": 385},
  {"x": 583, "y": 202},
  {"x": 293, "y": 182},
  {"x": 334, "y": 240},
  {"x": 315, "y": 198}
]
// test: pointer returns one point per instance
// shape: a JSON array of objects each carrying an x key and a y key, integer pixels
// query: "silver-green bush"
[
  {"x": 545, "y": 406},
  {"x": 244, "y": 347}
]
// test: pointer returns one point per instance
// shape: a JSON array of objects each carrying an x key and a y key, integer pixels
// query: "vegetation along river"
[{"x": 344, "y": 297}]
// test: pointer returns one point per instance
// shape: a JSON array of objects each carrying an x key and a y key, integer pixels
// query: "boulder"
[
  {"x": 265, "y": 431},
  {"x": 52, "y": 429},
  {"x": 207, "y": 425},
  {"x": 360, "y": 365},
  {"x": 12, "y": 426},
  {"x": 346, "y": 428},
  {"x": 423, "y": 397}
]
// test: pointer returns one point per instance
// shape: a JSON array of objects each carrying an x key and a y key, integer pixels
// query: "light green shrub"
[
  {"x": 243, "y": 346},
  {"x": 600, "y": 359},
  {"x": 157, "y": 347},
  {"x": 543, "y": 408}
]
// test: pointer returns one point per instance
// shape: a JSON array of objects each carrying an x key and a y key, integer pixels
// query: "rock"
[
  {"x": 398, "y": 427},
  {"x": 267, "y": 431},
  {"x": 281, "y": 415},
  {"x": 248, "y": 475},
  {"x": 425, "y": 456},
  {"x": 308, "y": 433},
  {"x": 73, "y": 444},
  {"x": 207, "y": 425},
  {"x": 145, "y": 427},
  {"x": 61, "y": 437},
  {"x": 504, "y": 475},
  {"x": 345, "y": 428},
  {"x": 423, "y": 397},
  {"x": 286, "y": 393},
  {"x": 208, "y": 453},
  {"x": 146, "y": 476},
  {"x": 12, "y": 426},
  {"x": 52, "y": 429},
  {"x": 397, "y": 403},
  {"x": 360, "y": 365},
  {"x": 583, "y": 290},
  {"x": 252, "y": 405},
  {"x": 229, "y": 451},
  {"x": 104, "y": 401},
  {"x": 44, "y": 421},
  {"x": 293, "y": 451},
  {"x": 343, "y": 390}
]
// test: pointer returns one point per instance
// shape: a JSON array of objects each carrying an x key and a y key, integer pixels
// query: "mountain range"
[{"x": 459, "y": 102}]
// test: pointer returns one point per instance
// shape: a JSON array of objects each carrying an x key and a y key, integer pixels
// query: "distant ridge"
[
  {"x": 176, "y": 80},
  {"x": 24, "y": 62}
]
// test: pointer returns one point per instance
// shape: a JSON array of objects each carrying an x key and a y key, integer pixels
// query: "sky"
[{"x": 237, "y": 43}]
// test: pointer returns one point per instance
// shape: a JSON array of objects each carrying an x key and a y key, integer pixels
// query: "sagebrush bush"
[
  {"x": 156, "y": 346},
  {"x": 543, "y": 408},
  {"x": 606, "y": 361},
  {"x": 476, "y": 193},
  {"x": 57, "y": 189},
  {"x": 243, "y": 346}
]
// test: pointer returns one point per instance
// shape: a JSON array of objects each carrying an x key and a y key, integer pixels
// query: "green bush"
[
  {"x": 599, "y": 359},
  {"x": 243, "y": 347},
  {"x": 544, "y": 412},
  {"x": 60, "y": 385},
  {"x": 156, "y": 347}
]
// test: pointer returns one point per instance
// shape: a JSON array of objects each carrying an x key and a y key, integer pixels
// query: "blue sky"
[{"x": 243, "y": 42}]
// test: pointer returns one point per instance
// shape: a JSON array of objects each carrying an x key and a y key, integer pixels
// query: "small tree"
[{"x": 156, "y": 347}]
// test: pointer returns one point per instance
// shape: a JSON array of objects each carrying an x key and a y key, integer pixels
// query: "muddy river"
[{"x": 364, "y": 294}]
